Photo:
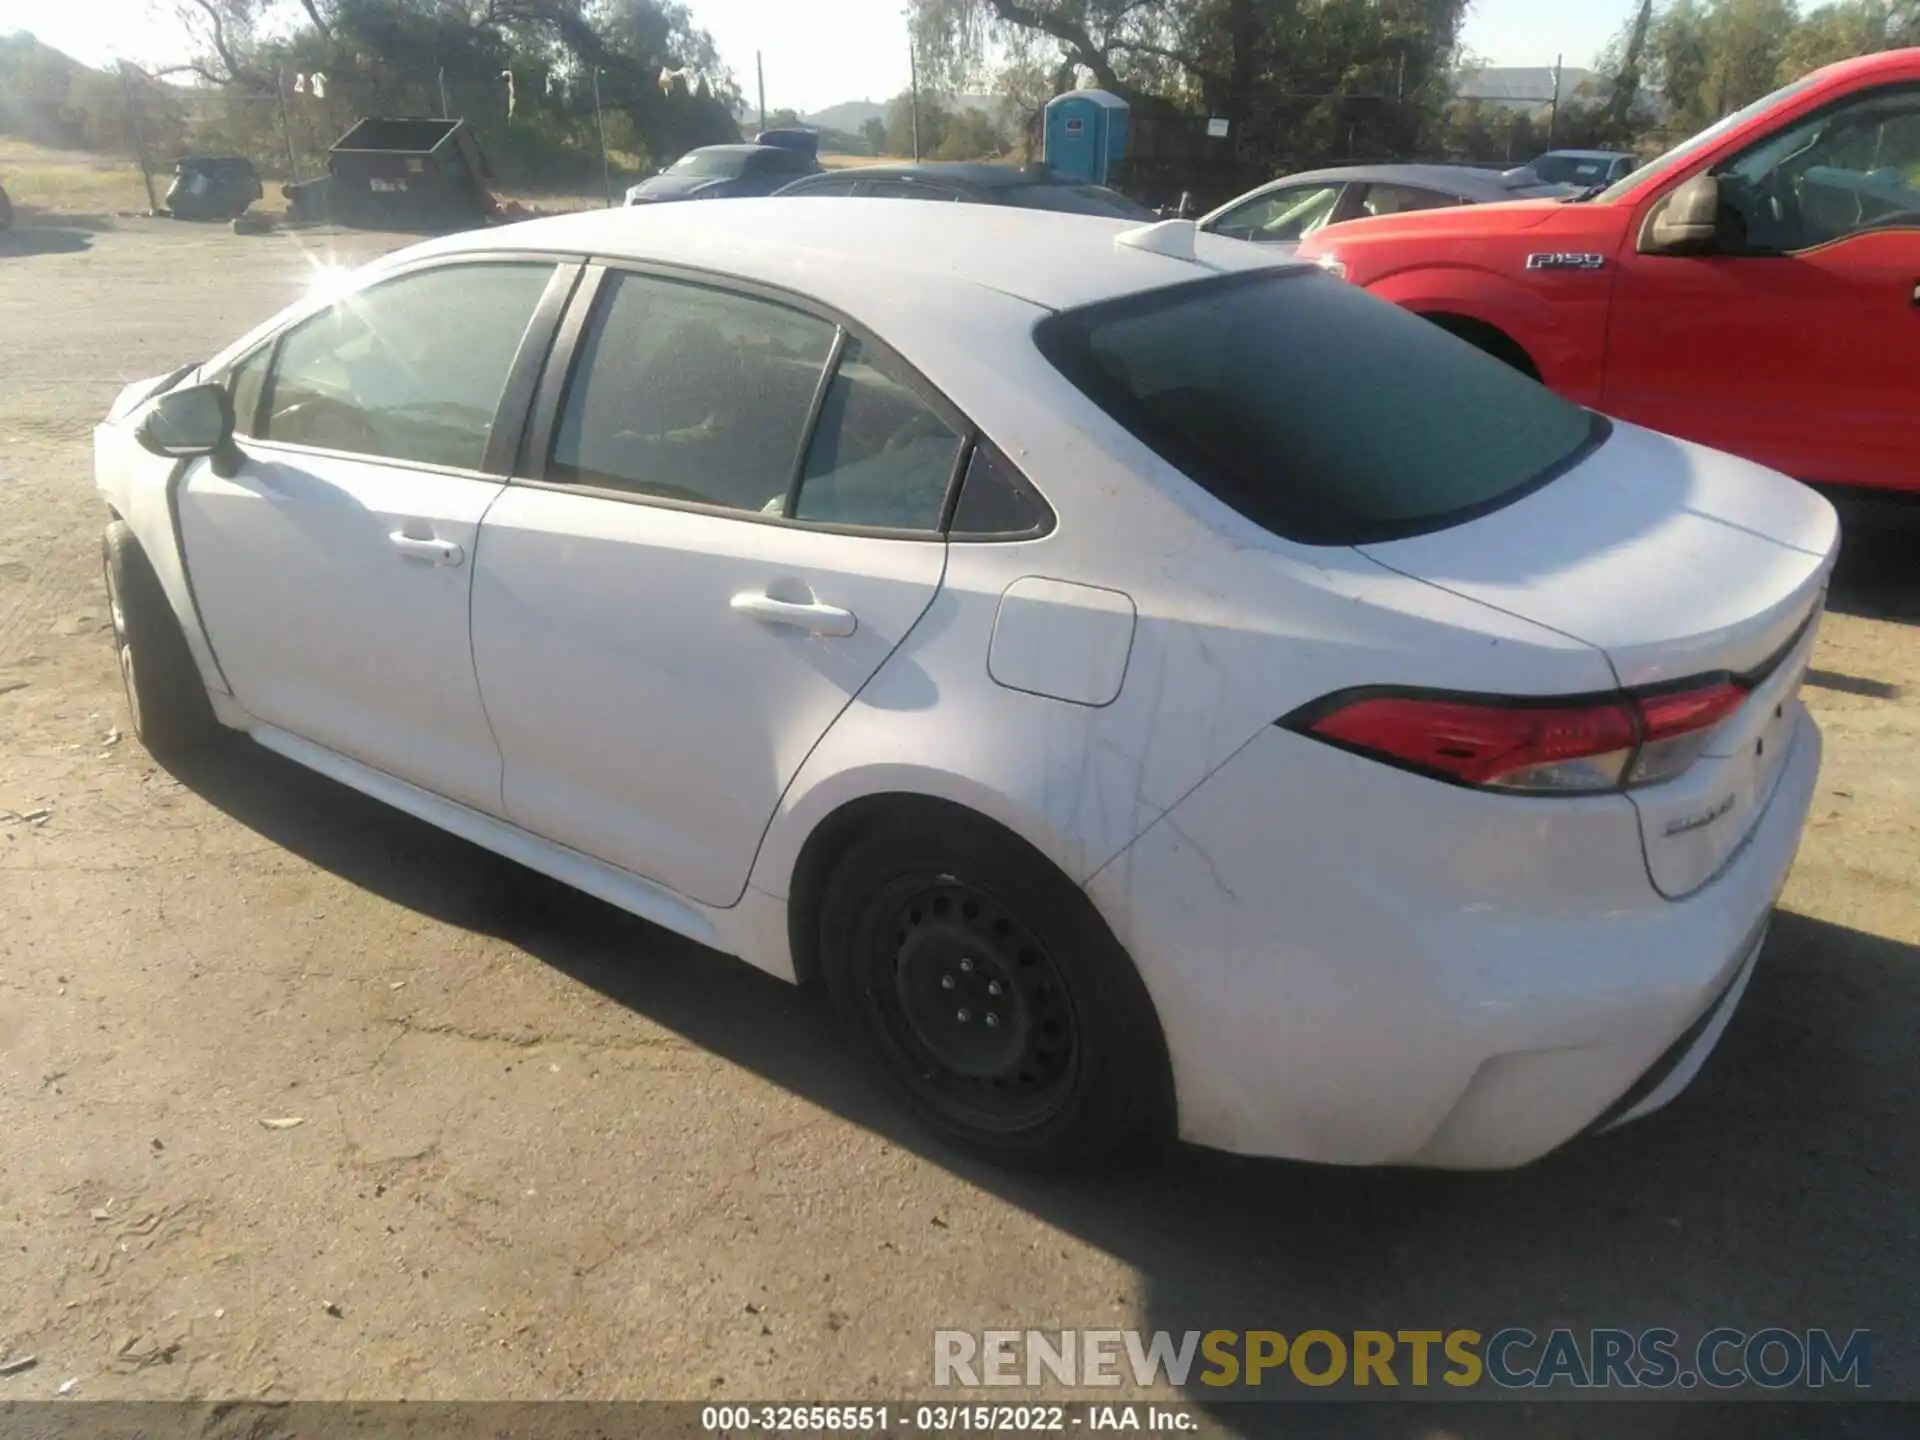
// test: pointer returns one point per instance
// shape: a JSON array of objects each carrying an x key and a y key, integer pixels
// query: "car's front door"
[
  {"x": 333, "y": 568},
  {"x": 729, "y": 518},
  {"x": 1797, "y": 342}
]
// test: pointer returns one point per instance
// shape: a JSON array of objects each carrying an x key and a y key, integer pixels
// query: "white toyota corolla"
[{"x": 1152, "y": 688}]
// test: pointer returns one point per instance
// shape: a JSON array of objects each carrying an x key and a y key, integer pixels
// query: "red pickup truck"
[{"x": 1756, "y": 289}]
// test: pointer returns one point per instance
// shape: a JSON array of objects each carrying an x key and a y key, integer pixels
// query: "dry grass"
[{"x": 69, "y": 182}]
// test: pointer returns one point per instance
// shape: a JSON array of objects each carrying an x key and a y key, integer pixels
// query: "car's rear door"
[
  {"x": 333, "y": 568},
  {"x": 727, "y": 518}
]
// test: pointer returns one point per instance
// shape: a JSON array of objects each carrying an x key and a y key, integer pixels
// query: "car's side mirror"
[
  {"x": 187, "y": 424},
  {"x": 1686, "y": 222}
]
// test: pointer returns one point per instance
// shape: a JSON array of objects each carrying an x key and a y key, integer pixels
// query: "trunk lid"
[{"x": 1678, "y": 563}]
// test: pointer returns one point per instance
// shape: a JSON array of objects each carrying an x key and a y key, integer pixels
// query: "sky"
[{"x": 816, "y": 52}]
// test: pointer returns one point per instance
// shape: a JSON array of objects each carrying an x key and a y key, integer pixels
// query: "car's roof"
[
  {"x": 1468, "y": 182},
  {"x": 845, "y": 254},
  {"x": 745, "y": 148},
  {"x": 1590, "y": 154}
]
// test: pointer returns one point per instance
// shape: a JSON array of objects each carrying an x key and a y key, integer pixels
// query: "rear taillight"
[
  {"x": 1676, "y": 726},
  {"x": 1529, "y": 746}
]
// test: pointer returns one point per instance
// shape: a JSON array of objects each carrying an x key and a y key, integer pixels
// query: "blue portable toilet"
[{"x": 1086, "y": 133}]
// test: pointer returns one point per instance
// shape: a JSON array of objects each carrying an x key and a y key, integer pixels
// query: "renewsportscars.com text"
[{"x": 1512, "y": 1358}]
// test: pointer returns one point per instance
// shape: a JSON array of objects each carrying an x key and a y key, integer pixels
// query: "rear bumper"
[{"x": 1400, "y": 972}]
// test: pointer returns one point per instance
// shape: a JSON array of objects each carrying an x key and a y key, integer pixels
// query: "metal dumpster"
[{"x": 399, "y": 174}]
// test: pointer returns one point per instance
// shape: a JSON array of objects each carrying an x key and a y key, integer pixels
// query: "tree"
[
  {"x": 398, "y": 56},
  {"x": 874, "y": 132},
  {"x": 1840, "y": 31},
  {"x": 934, "y": 120},
  {"x": 1714, "y": 56},
  {"x": 1289, "y": 75},
  {"x": 971, "y": 135}
]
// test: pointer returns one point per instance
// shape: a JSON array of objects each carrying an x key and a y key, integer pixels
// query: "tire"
[
  {"x": 1051, "y": 1055},
  {"x": 166, "y": 698}
]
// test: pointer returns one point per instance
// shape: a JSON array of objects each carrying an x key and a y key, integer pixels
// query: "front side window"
[
  {"x": 879, "y": 456},
  {"x": 1324, "y": 414},
  {"x": 411, "y": 369},
  {"x": 685, "y": 392},
  {"x": 245, "y": 383},
  {"x": 1687, "y": 149},
  {"x": 1283, "y": 217},
  {"x": 1853, "y": 168}
]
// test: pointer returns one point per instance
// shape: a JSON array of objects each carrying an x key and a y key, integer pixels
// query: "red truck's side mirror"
[{"x": 1686, "y": 222}]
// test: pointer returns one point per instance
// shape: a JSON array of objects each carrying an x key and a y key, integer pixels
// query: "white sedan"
[{"x": 1153, "y": 688}]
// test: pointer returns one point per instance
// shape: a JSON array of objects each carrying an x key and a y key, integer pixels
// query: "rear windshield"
[
  {"x": 1315, "y": 410},
  {"x": 1078, "y": 200},
  {"x": 710, "y": 164}
]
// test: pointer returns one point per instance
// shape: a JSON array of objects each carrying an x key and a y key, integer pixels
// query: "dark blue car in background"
[{"x": 716, "y": 172}]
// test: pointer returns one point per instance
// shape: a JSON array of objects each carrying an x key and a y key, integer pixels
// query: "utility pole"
[
  {"x": 606, "y": 171},
  {"x": 286, "y": 125},
  {"x": 760, "y": 73},
  {"x": 139, "y": 140},
  {"x": 446, "y": 111},
  {"x": 1553, "y": 111},
  {"x": 913, "y": 73}
]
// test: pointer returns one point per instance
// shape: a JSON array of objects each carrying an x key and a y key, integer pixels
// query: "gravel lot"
[{"x": 548, "y": 1150}]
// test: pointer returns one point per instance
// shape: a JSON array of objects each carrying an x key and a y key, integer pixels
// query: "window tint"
[
  {"x": 690, "y": 393},
  {"x": 411, "y": 369},
  {"x": 1078, "y": 200},
  {"x": 710, "y": 164},
  {"x": 1687, "y": 149},
  {"x": 879, "y": 456},
  {"x": 1402, "y": 200},
  {"x": 912, "y": 190},
  {"x": 823, "y": 187},
  {"x": 1314, "y": 409},
  {"x": 996, "y": 500},
  {"x": 1853, "y": 168},
  {"x": 245, "y": 382},
  {"x": 1284, "y": 216}
]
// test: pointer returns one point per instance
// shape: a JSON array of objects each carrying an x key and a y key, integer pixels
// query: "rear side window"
[
  {"x": 879, "y": 455},
  {"x": 1315, "y": 410}
]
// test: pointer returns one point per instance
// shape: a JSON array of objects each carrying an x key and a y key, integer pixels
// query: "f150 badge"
[{"x": 1566, "y": 260}]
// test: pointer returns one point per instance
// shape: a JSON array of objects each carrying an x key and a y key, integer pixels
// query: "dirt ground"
[{"x": 546, "y": 1150}]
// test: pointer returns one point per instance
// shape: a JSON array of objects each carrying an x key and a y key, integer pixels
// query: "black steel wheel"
[{"x": 987, "y": 989}]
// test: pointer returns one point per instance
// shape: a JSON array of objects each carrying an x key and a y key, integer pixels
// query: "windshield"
[
  {"x": 1078, "y": 200},
  {"x": 1314, "y": 409},
  {"x": 710, "y": 164},
  {"x": 1581, "y": 170},
  {"x": 1687, "y": 149}
]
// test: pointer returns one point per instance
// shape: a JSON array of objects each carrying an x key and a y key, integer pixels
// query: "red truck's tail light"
[{"x": 1576, "y": 747}]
